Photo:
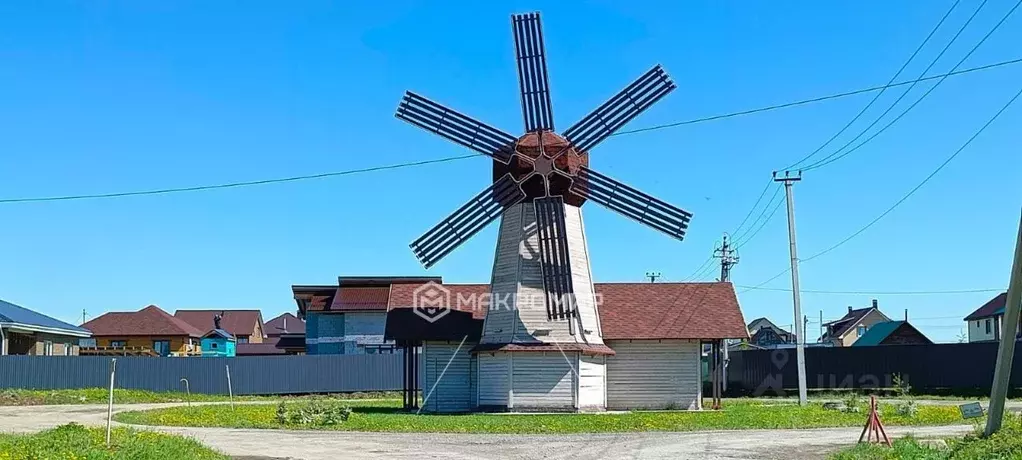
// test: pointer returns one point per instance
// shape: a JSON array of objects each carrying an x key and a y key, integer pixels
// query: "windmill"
[{"x": 540, "y": 181}]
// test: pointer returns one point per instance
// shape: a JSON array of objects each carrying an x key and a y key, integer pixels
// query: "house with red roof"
[
  {"x": 986, "y": 323},
  {"x": 246, "y": 326},
  {"x": 149, "y": 331},
  {"x": 649, "y": 359}
]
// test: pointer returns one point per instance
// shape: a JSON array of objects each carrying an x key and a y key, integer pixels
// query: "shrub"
[
  {"x": 853, "y": 402},
  {"x": 312, "y": 413},
  {"x": 906, "y": 408}
]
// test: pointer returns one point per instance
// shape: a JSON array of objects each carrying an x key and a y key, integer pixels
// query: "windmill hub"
[{"x": 545, "y": 164}]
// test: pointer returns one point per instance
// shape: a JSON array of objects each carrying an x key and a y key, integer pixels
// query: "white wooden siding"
[
  {"x": 518, "y": 278},
  {"x": 448, "y": 390},
  {"x": 653, "y": 374},
  {"x": 592, "y": 382},
  {"x": 500, "y": 320},
  {"x": 581, "y": 278},
  {"x": 493, "y": 379},
  {"x": 544, "y": 381}
]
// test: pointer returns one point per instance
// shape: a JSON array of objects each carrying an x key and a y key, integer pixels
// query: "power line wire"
[
  {"x": 903, "y": 198},
  {"x": 893, "y": 77},
  {"x": 460, "y": 157},
  {"x": 812, "y": 291},
  {"x": 237, "y": 184},
  {"x": 921, "y": 184},
  {"x": 765, "y": 222},
  {"x": 777, "y": 191},
  {"x": 815, "y": 99},
  {"x": 837, "y": 155}
]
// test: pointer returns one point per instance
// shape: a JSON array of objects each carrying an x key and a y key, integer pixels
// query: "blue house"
[
  {"x": 218, "y": 342},
  {"x": 351, "y": 316}
]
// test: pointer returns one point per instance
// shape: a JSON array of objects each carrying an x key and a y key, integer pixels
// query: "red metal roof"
[
  {"x": 149, "y": 321},
  {"x": 992, "y": 308},
  {"x": 236, "y": 322},
  {"x": 361, "y": 298}
]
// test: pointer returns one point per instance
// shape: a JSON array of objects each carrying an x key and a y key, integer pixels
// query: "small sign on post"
[{"x": 971, "y": 410}]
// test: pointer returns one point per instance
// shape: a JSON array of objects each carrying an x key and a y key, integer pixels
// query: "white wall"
[
  {"x": 543, "y": 380},
  {"x": 653, "y": 374},
  {"x": 978, "y": 330},
  {"x": 493, "y": 371},
  {"x": 592, "y": 394},
  {"x": 453, "y": 389}
]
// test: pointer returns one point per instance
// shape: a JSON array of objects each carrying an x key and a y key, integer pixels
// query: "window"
[
  {"x": 988, "y": 326},
  {"x": 860, "y": 330},
  {"x": 161, "y": 347},
  {"x": 243, "y": 339},
  {"x": 48, "y": 348},
  {"x": 68, "y": 349},
  {"x": 118, "y": 343},
  {"x": 212, "y": 346}
]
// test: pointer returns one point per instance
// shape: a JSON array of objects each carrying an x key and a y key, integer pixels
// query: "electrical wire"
[
  {"x": 765, "y": 222},
  {"x": 737, "y": 238},
  {"x": 893, "y": 77},
  {"x": 903, "y": 198},
  {"x": 460, "y": 157},
  {"x": 812, "y": 291},
  {"x": 837, "y": 155}
]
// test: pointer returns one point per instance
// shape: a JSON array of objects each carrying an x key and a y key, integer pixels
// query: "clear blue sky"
[{"x": 118, "y": 96}]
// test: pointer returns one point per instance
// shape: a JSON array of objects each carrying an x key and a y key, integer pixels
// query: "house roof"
[
  {"x": 256, "y": 349},
  {"x": 879, "y": 332},
  {"x": 16, "y": 314},
  {"x": 993, "y": 307},
  {"x": 236, "y": 322},
  {"x": 276, "y": 326},
  {"x": 847, "y": 322},
  {"x": 149, "y": 321},
  {"x": 218, "y": 333},
  {"x": 759, "y": 323},
  {"x": 361, "y": 298},
  {"x": 630, "y": 310}
]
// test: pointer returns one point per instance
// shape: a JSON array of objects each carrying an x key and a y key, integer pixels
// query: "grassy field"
[
  {"x": 1005, "y": 444},
  {"x": 382, "y": 415},
  {"x": 15, "y": 397},
  {"x": 73, "y": 442}
]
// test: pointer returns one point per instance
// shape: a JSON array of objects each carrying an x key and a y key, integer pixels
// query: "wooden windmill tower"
[{"x": 541, "y": 336}]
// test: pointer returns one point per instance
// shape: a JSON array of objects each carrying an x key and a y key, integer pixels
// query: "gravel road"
[{"x": 314, "y": 445}]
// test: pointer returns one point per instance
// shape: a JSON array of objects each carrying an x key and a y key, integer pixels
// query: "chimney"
[
  {"x": 874, "y": 303},
  {"x": 285, "y": 324},
  {"x": 906, "y": 315},
  {"x": 849, "y": 309}
]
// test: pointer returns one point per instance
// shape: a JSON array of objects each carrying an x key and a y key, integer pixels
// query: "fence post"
[
  {"x": 188, "y": 392},
  {"x": 230, "y": 390},
  {"x": 110, "y": 402}
]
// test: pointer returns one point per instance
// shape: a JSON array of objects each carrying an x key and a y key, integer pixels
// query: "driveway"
[{"x": 314, "y": 445}]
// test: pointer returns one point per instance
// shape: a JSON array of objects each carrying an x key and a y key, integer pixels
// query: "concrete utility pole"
[
  {"x": 1006, "y": 349},
  {"x": 728, "y": 258},
  {"x": 800, "y": 351},
  {"x": 653, "y": 276}
]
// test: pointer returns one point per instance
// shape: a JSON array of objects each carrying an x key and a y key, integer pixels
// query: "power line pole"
[
  {"x": 653, "y": 276},
  {"x": 83, "y": 316},
  {"x": 728, "y": 258},
  {"x": 800, "y": 339},
  {"x": 1006, "y": 349}
]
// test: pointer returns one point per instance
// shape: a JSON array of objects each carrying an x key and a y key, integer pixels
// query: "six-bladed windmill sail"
[{"x": 547, "y": 169}]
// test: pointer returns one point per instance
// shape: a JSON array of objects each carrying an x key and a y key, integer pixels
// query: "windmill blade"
[
  {"x": 467, "y": 221},
  {"x": 553, "y": 256},
  {"x": 620, "y": 109},
  {"x": 457, "y": 127},
  {"x": 631, "y": 202},
  {"x": 532, "y": 74}
]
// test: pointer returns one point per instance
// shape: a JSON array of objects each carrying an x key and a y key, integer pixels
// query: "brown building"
[
  {"x": 245, "y": 325},
  {"x": 25, "y": 332},
  {"x": 149, "y": 331},
  {"x": 845, "y": 331}
]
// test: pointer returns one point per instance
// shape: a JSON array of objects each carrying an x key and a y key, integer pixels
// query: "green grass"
[
  {"x": 1005, "y": 444},
  {"x": 17, "y": 397},
  {"x": 73, "y": 442},
  {"x": 386, "y": 416}
]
